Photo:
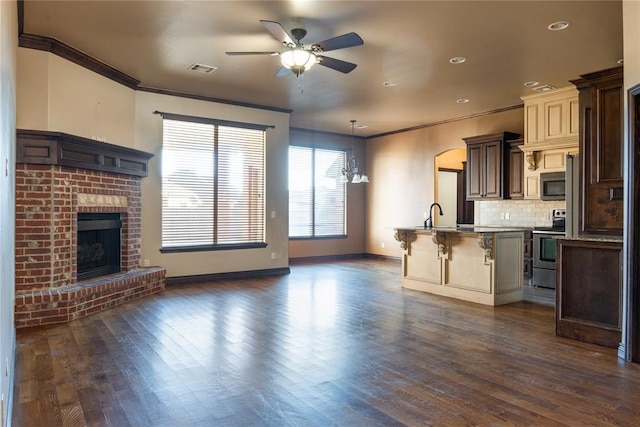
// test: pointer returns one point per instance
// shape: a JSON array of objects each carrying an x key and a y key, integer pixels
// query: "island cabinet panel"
[
  {"x": 508, "y": 255},
  {"x": 487, "y": 166},
  {"x": 430, "y": 270},
  {"x": 601, "y": 146},
  {"x": 589, "y": 291},
  {"x": 480, "y": 264},
  {"x": 463, "y": 269}
]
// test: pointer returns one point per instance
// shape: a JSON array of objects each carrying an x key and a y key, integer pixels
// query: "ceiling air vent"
[
  {"x": 201, "y": 68},
  {"x": 543, "y": 88}
]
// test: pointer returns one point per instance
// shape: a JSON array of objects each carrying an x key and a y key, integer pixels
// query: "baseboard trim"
[
  {"x": 328, "y": 258},
  {"x": 383, "y": 257},
  {"x": 198, "y": 278},
  {"x": 324, "y": 258}
]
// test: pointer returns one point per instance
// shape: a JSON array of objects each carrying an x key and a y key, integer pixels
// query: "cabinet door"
[
  {"x": 475, "y": 170},
  {"x": 556, "y": 119},
  {"x": 533, "y": 123},
  {"x": 493, "y": 168},
  {"x": 589, "y": 292},
  {"x": 516, "y": 173},
  {"x": 602, "y": 164}
]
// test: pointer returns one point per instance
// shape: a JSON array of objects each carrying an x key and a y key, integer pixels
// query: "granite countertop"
[
  {"x": 611, "y": 239},
  {"x": 461, "y": 229}
]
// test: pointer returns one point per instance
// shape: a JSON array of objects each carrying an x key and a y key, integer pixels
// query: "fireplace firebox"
[{"x": 98, "y": 250}]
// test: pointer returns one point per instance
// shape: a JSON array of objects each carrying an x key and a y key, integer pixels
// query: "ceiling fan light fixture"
[{"x": 298, "y": 59}]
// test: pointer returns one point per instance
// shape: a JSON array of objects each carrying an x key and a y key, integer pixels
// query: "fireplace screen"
[{"x": 98, "y": 244}]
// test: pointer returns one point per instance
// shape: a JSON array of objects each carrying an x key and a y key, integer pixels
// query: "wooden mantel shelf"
[{"x": 62, "y": 149}]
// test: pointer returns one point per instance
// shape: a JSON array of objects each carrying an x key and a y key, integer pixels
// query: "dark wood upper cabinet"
[
  {"x": 601, "y": 96},
  {"x": 515, "y": 166},
  {"x": 487, "y": 170}
]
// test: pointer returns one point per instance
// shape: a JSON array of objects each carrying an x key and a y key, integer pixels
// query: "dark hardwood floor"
[{"x": 333, "y": 343}]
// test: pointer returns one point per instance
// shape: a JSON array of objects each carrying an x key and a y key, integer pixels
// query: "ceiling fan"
[{"x": 297, "y": 59}]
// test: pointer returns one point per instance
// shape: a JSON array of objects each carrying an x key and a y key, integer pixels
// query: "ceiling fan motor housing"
[{"x": 298, "y": 33}]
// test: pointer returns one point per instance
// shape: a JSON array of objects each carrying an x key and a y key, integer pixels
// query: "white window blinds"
[
  {"x": 317, "y": 201},
  {"x": 212, "y": 185}
]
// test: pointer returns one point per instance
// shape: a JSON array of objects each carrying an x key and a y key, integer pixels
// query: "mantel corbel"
[
  {"x": 532, "y": 160},
  {"x": 485, "y": 241}
]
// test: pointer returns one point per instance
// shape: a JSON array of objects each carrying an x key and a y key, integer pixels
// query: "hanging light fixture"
[
  {"x": 351, "y": 173},
  {"x": 298, "y": 60}
]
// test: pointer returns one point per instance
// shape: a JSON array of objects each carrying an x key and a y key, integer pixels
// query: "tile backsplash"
[{"x": 521, "y": 213}]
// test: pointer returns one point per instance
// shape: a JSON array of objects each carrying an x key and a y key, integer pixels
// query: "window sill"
[
  {"x": 208, "y": 248},
  {"x": 337, "y": 236}
]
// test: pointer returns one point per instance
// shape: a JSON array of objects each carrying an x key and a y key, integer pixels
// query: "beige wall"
[
  {"x": 356, "y": 220},
  {"x": 149, "y": 138},
  {"x": 401, "y": 169},
  {"x": 60, "y": 96},
  {"x": 56, "y": 95},
  {"x": 8, "y": 48}
]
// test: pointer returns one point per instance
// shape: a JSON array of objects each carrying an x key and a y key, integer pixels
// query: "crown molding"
[{"x": 48, "y": 44}]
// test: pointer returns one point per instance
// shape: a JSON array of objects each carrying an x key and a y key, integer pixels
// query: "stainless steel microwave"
[{"x": 552, "y": 186}]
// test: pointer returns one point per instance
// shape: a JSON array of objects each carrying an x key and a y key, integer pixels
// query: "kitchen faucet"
[{"x": 428, "y": 223}]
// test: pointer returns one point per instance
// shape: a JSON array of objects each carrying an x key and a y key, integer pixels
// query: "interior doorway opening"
[{"x": 450, "y": 188}]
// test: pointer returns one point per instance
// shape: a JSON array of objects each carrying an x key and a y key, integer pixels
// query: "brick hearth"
[{"x": 48, "y": 200}]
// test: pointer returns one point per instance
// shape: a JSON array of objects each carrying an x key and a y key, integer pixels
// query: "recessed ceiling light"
[
  {"x": 389, "y": 83},
  {"x": 462, "y": 100},
  {"x": 531, "y": 83},
  {"x": 201, "y": 68},
  {"x": 458, "y": 60},
  {"x": 557, "y": 26},
  {"x": 620, "y": 61}
]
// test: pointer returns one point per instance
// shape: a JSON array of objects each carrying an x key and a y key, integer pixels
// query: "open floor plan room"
[{"x": 332, "y": 343}]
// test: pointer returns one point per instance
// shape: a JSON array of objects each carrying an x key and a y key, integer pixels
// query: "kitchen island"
[{"x": 478, "y": 264}]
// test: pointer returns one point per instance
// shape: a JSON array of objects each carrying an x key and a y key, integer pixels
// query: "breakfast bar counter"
[{"x": 478, "y": 264}]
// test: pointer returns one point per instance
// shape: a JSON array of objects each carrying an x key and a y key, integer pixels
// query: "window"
[
  {"x": 212, "y": 185},
  {"x": 317, "y": 201}
]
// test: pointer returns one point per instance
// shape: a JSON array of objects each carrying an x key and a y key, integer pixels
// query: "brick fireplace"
[{"x": 59, "y": 176}]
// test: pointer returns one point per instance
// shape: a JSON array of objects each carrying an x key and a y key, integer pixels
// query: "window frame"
[
  {"x": 313, "y": 149},
  {"x": 218, "y": 246}
]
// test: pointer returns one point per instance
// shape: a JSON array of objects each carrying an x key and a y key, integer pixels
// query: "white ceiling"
[{"x": 410, "y": 42}]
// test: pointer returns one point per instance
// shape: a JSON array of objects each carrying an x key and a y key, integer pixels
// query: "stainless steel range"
[{"x": 544, "y": 250}]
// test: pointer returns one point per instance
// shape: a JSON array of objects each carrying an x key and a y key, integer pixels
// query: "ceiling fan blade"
[
  {"x": 253, "y": 53},
  {"x": 337, "y": 64},
  {"x": 340, "y": 42},
  {"x": 278, "y": 32},
  {"x": 283, "y": 72}
]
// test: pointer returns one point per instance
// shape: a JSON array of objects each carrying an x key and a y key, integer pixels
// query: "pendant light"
[{"x": 351, "y": 173}]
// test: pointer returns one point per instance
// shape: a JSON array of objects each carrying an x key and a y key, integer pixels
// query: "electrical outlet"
[
  {"x": 382, "y": 245},
  {"x": 146, "y": 263},
  {"x": 425, "y": 215},
  {"x": 506, "y": 215},
  {"x": 501, "y": 215},
  {"x": 273, "y": 255},
  {"x": 273, "y": 214}
]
